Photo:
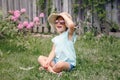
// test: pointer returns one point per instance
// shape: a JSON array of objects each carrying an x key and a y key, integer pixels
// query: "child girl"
[{"x": 62, "y": 56}]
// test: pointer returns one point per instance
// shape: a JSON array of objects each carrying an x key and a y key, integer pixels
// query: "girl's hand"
[{"x": 46, "y": 65}]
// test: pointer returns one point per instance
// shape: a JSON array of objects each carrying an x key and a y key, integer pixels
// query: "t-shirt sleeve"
[{"x": 54, "y": 40}]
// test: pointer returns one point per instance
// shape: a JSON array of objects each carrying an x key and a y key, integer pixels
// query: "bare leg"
[
  {"x": 60, "y": 66},
  {"x": 50, "y": 69},
  {"x": 54, "y": 68},
  {"x": 42, "y": 60}
]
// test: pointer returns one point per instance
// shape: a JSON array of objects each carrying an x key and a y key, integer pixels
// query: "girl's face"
[{"x": 60, "y": 25}]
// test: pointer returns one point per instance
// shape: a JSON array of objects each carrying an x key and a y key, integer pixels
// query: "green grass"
[{"x": 97, "y": 59}]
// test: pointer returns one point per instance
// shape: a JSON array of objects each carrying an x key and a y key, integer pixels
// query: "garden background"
[{"x": 25, "y": 34}]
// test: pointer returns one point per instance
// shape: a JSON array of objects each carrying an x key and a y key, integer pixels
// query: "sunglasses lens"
[
  {"x": 61, "y": 22},
  {"x": 56, "y": 22}
]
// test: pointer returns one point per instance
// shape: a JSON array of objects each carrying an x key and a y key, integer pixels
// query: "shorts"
[{"x": 71, "y": 67}]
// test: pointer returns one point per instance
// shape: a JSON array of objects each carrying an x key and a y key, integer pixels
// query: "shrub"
[{"x": 17, "y": 23}]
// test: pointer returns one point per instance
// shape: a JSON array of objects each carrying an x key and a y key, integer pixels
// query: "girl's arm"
[
  {"x": 50, "y": 57},
  {"x": 52, "y": 54},
  {"x": 70, "y": 25}
]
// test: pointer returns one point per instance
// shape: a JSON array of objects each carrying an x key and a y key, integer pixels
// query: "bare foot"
[{"x": 51, "y": 70}]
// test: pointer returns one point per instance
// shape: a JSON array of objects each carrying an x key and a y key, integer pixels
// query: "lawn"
[{"x": 97, "y": 59}]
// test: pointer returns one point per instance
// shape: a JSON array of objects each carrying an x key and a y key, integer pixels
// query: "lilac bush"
[
  {"x": 17, "y": 22},
  {"x": 24, "y": 26}
]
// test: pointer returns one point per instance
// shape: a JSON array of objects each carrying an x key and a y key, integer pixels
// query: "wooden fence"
[
  {"x": 32, "y": 10},
  {"x": 60, "y": 5}
]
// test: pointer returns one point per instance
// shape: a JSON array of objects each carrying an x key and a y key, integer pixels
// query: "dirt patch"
[
  {"x": 116, "y": 34},
  {"x": 43, "y": 35}
]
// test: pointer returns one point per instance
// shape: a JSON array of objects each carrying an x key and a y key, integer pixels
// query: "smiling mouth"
[{"x": 59, "y": 26}]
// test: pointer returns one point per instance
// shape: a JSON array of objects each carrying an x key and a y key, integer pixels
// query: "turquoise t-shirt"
[{"x": 64, "y": 48}]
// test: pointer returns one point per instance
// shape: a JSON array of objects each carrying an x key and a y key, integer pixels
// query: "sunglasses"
[{"x": 60, "y": 21}]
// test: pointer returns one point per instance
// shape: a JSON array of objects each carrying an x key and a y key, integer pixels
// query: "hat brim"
[{"x": 52, "y": 18}]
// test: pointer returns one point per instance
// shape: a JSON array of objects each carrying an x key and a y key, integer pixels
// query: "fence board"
[
  {"x": 10, "y": 7},
  {"x": 70, "y": 7},
  {"x": 28, "y": 8},
  {"x": 65, "y": 5},
  {"x": 16, "y": 4},
  {"x": 4, "y": 8},
  {"x": 34, "y": 8},
  {"x": 34, "y": 13},
  {"x": 0, "y": 4},
  {"x": 23, "y": 4}
]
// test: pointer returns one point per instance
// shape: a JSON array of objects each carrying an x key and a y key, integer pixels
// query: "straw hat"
[{"x": 53, "y": 16}]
